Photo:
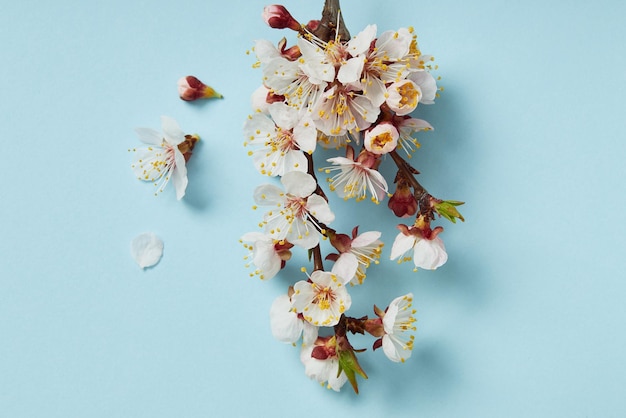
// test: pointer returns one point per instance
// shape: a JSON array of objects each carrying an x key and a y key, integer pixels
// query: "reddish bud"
[
  {"x": 313, "y": 25},
  {"x": 402, "y": 202},
  {"x": 190, "y": 89},
  {"x": 277, "y": 17}
]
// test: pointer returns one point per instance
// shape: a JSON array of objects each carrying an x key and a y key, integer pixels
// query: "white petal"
[
  {"x": 309, "y": 333},
  {"x": 265, "y": 51},
  {"x": 254, "y": 237},
  {"x": 286, "y": 326},
  {"x": 149, "y": 136},
  {"x": 394, "y": 349},
  {"x": 284, "y": 116},
  {"x": 305, "y": 135},
  {"x": 360, "y": 43},
  {"x": 430, "y": 254},
  {"x": 401, "y": 245},
  {"x": 259, "y": 100},
  {"x": 366, "y": 238},
  {"x": 257, "y": 128},
  {"x": 268, "y": 195},
  {"x": 173, "y": 134},
  {"x": 318, "y": 207},
  {"x": 427, "y": 84},
  {"x": 350, "y": 72},
  {"x": 298, "y": 183},
  {"x": 146, "y": 249},
  {"x": 345, "y": 267},
  {"x": 179, "y": 175},
  {"x": 395, "y": 43}
]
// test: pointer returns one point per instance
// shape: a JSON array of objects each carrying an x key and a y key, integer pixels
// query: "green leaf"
[
  {"x": 349, "y": 364},
  {"x": 447, "y": 209}
]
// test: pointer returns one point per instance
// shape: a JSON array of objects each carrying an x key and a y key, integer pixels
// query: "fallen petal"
[{"x": 146, "y": 249}]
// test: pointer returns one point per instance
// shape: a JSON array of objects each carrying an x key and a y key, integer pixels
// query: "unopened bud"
[
  {"x": 277, "y": 17},
  {"x": 190, "y": 89},
  {"x": 402, "y": 202}
]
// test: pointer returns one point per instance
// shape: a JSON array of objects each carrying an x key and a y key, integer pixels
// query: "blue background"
[{"x": 526, "y": 319}]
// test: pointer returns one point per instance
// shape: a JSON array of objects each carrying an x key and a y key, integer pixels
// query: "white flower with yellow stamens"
[
  {"x": 398, "y": 319},
  {"x": 322, "y": 299},
  {"x": 297, "y": 210},
  {"x": 162, "y": 160},
  {"x": 281, "y": 140}
]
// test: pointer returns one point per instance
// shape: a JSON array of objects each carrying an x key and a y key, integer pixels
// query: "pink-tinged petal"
[
  {"x": 345, "y": 267},
  {"x": 298, "y": 183},
  {"x": 284, "y": 116},
  {"x": 360, "y": 43},
  {"x": 268, "y": 195},
  {"x": 427, "y": 84},
  {"x": 350, "y": 72},
  {"x": 318, "y": 207},
  {"x": 149, "y": 136},
  {"x": 366, "y": 238},
  {"x": 285, "y": 324},
  {"x": 173, "y": 134},
  {"x": 179, "y": 174},
  {"x": 146, "y": 249},
  {"x": 430, "y": 254},
  {"x": 401, "y": 245},
  {"x": 416, "y": 125},
  {"x": 305, "y": 135}
]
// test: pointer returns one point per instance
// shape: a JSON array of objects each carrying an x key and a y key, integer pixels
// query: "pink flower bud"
[
  {"x": 190, "y": 89},
  {"x": 277, "y": 17},
  {"x": 403, "y": 203}
]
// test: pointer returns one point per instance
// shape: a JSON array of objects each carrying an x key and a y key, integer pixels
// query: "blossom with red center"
[
  {"x": 420, "y": 244},
  {"x": 297, "y": 211}
]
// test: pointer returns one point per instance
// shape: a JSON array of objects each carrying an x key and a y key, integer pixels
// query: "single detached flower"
[
  {"x": 268, "y": 255},
  {"x": 322, "y": 299},
  {"x": 287, "y": 325},
  {"x": 321, "y": 363},
  {"x": 297, "y": 210},
  {"x": 381, "y": 139},
  {"x": 165, "y": 157},
  {"x": 281, "y": 140},
  {"x": 190, "y": 89},
  {"x": 428, "y": 251},
  {"x": 397, "y": 320},
  {"x": 355, "y": 178}
]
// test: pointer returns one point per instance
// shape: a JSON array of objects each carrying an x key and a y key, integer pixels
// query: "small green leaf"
[
  {"x": 447, "y": 209},
  {"x": 349, "y": 364}
]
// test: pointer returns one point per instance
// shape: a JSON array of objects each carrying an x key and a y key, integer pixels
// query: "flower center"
[
  {"x": 382, "y": 139},
  {"x": 297, "y": 206},
  {"x": 283, "y": 141},
  {"x": 409, "y": 95},
  {"x": 324, "y": 297}
]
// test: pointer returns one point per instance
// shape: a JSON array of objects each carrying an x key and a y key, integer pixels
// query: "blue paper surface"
[{"x": 526, "y": 318}]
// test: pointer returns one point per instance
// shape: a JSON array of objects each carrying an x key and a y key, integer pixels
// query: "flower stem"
[
  {"x": 422, "y": 197},
  {"x": 332, "y": 25}
]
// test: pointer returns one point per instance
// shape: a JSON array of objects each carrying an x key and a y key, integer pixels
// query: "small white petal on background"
[{"x": 146, "y": 249}]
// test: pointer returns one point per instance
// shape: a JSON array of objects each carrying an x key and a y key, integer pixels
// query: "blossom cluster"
[{"x": 354, "y": 94}]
